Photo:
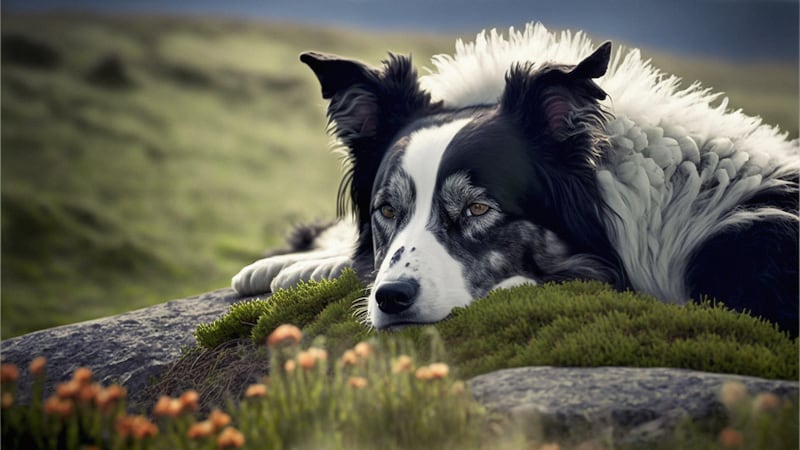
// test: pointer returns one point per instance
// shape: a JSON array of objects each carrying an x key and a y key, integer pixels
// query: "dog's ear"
[
  {"x": 368, "y": 106},
  {"x": 555, "y": 99}
]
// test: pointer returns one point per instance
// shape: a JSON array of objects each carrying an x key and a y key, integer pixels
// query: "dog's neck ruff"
[{"x": 677, "y": 166}]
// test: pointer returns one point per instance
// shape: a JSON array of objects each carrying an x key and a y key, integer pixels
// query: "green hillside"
[{"x": 150, "y": 158}]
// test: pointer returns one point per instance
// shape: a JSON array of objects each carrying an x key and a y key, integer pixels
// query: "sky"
[{"x": 744, "y": 30}]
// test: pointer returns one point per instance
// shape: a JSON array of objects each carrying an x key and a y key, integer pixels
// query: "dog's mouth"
[{"x": 398, "y": 325}]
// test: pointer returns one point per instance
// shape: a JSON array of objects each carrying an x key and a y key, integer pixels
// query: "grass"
[{"x": 122, "y": 194}]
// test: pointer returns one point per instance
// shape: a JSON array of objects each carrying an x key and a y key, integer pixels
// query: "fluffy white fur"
[{"x": 677, "y": 163}]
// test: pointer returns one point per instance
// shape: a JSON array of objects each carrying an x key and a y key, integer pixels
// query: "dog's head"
[{"x": 453, "y": 202}]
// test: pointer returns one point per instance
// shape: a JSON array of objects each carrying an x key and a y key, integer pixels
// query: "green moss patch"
[{"x": 578, "y": 323}]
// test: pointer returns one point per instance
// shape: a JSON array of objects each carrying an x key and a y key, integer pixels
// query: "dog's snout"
[{"x": 396, "y": 296}]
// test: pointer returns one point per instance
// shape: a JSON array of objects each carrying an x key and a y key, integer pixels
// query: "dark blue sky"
[{"x": 728, "y": 29}]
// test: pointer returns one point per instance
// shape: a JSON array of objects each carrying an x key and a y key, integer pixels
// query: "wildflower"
[
  {"x": 402, "y": 363},
  {"x": 56, "y": 406},
  {"x": 284, "y": 333},
  {"x": 319, "y": 354},
  {"x": 349, "y": 358},
  {"x": 167, "y": 406},
  {"x": 458, "y": 388},
  {"x": 256, "y": 390},
  {"x": 357, "y": 382},
  {"x": 424, "y": 373},
  {"x": 306, "y": 360},
  {"x": 68, "y": 389},
  {"x": 439, "y": 370},
  {"x": 289, "y": 366},
  {"x": 732, "y": 393},
  {"x": 230, "y": 437},
  {"x": 106, "y": 397},
  {"x": 766, "y": 402},
  {"x": 7, "y": 400},
  {"x": 730, "y": 438},
  {"x": 8, "y": 373},
  {"x": 200, "y": 430},
  {"x": 137, "y": 426},
  {"x": 36, "y": 367},
  {"x": 190, "y": 400},
  {"x": 219, "y": 419},
  {"x": 88, "y": 392},
  {"x": 363, "y": 349},
  {"x": 83, "y": 375},
  {"x": 142, "y": 428}
]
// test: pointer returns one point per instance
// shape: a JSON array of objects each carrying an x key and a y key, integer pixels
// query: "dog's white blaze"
[{"x": 440, "y": 276}]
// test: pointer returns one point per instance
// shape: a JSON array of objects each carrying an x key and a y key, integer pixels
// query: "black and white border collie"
[{"x": 537, "y": 158}]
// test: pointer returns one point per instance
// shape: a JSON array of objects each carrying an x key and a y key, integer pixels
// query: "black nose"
[{"x": 396, "y": 296}]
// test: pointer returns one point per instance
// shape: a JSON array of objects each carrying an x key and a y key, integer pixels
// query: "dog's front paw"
[
  {"x": 256, "y": 278},
  {"x": 317, "y": 269}
]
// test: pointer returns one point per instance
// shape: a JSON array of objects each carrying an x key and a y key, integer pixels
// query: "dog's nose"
[{"x": 396, "y": 296}]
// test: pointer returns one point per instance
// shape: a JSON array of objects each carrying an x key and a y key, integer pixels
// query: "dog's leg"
[
  {"x": 330, "y": 255},
  {"x": 514, "y": 281}
]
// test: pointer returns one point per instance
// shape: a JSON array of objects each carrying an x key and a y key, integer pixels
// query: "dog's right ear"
[{"x": 368, "y": 106}]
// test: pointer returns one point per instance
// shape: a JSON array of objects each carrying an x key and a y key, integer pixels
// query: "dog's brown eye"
[
  {"x": 387, "y": 211},
  {"x": 477, "y": 209}
]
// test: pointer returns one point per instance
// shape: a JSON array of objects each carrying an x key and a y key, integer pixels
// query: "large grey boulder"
[
  {"x": 628, "y": 405},
  {"x": 130, "y": 348}
]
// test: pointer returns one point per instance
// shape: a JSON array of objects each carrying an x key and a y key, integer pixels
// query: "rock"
[
  {"x": 130, "y": 348},
  {"x": 634, "y": 405}
]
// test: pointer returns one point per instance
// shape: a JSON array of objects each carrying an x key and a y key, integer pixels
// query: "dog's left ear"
[{"x": 553, "y": 99}]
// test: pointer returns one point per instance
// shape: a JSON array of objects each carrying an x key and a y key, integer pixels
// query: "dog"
[{"x": 538, "y": 157}]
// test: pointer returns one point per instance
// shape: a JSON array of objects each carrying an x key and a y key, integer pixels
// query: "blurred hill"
[{"x": 150, "y": 157}]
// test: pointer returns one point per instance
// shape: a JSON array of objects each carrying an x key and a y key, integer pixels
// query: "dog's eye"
[
  {"x": 477, "y": 209},
  {"x": 387, "y": 211}
]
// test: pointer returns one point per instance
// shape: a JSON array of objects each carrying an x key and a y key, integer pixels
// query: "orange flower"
[
  {"x": 439, "y": 370},
  {"x": 88, "y": 392},
  {"x": 82, "y": 375},
  {"x": 284, "y": 333},
  {"x": 349, "y": 358},
  {"x": 230, "y": 437},
  {"x": 9, "y": 373},
  {"x": 256, "y": 390},
  {"x": 732, "y": 393},
  {"x": 167, "y": 406},
  {"x": 730, "y": 438},
  {"x": 36, "y": 367},
  {"x": 190, "y": 400},
  {"x": 357, "y": 382},
  {"x": 137, "y": 426},
  {"x": 363, "y": 349},
  {"x": 68, "y": 389},
  {"x": 142, "y": 428},
  {"x": 319, "y": 353},
  {"x": 219, "y": 419},
  {"x": 7, "y": 400},
  {"x": 424, "y": 373},
  {"x": 458, "y": 388},
  {"x": 289, "y": 366},
  {"x": 306, "y": 360},
  {"x": 200, "y": 430},
  {"x": 402, "y": 363},
  {"x": 106, "y": 397},
  {"x": 56, "y": 406},
  {"x": 766, "y": 402}
]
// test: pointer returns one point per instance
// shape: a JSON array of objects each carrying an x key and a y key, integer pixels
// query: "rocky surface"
[
  {"x": 632, "y": 405},
  {"x": 129, "y": 348}
]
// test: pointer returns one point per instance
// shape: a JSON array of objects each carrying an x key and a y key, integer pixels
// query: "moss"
[{"x": 571, "y": 324}]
